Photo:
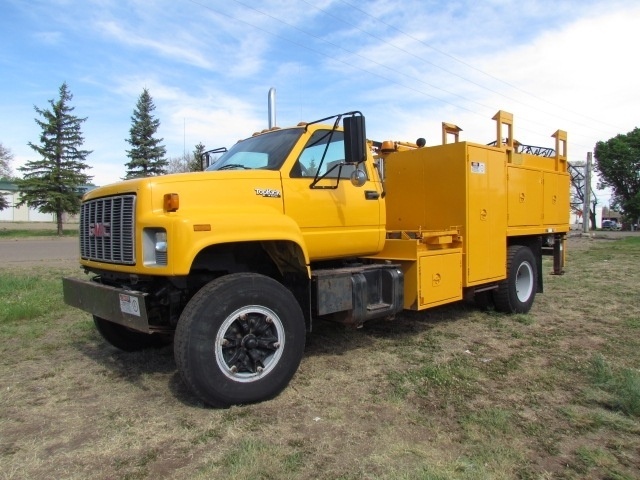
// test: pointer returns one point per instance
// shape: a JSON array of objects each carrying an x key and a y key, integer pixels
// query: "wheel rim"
[
  {"x": 249, "y": 343},
  {"x": 524, "y": 282}
]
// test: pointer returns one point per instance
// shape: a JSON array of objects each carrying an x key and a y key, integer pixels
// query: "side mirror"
[
  {"x": 358, "y": 178},
  {"x": 210, "y": 157},
  {"x": 205, "y": 161},
  {"x": 355, "y": 139}
]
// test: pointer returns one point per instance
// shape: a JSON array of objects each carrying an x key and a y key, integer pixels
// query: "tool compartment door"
[
  {"x": 556, "y": 198},
  {"x": 525, "y": 197},
  {"x": 440, "y": 278},
  {"x": 486, "y": 215}
]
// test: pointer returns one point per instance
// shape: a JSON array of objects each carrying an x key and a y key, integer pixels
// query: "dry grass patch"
[{"x": 449, "y": 393}]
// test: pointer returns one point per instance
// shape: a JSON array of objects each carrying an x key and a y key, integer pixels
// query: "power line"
[
  {"x": 468, "y": 65},
  {"x": 330, "y": 57},
  {"x": 370, "y": 72}
]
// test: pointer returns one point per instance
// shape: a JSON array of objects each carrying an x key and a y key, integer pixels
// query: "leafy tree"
[
  {"x": 54, "y": 183},
  {"x": 178, "y": 164},
  {"x": 146, "y": 154},
  {"x": 5, "y": 172},
  {"x": 186, "y": 162},
  {"x": 6, "y": 157},
  {"x": 618, "y": 162}
]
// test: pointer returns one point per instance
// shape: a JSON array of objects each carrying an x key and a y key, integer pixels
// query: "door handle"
[{"x": 371, "y": 195}]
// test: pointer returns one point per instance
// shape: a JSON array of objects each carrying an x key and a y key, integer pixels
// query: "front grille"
[{"x": 107, "y": 230}]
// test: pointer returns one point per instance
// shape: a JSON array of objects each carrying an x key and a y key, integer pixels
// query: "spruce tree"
[
  {"x": 196, "y": 163},
  {"x": 53, "y": 184},
  {"x": 146, "y": 154}
]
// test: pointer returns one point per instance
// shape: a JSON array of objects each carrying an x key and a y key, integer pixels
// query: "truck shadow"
[
  {"x": 148, "y": 370},
  {"x": 330, "y": 338}
]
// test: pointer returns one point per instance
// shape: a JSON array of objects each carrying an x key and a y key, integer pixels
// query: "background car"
[{"x": 610, "y": 225}]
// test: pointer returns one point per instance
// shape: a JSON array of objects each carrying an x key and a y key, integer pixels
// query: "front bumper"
[{"x": 124, "y": 307}]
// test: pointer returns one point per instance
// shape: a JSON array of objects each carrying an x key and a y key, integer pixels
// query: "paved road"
[
  {"x": 65, "y": 250},
  {"x": 35, "y": 251}
]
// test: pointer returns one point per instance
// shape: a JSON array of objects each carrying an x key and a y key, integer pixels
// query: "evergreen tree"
[
  {"x": 146, "y": 154},
  {"x": 196, "y": 163},
  {"x": 54, "y": 183}
]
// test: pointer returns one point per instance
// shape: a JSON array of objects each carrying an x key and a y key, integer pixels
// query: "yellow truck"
[{"x": 234, "y": 264}]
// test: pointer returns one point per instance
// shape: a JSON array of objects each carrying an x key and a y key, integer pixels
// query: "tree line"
[{"x": 55, "y": 181}]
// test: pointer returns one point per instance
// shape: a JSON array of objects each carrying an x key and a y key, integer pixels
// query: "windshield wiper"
[{"x": 233, "y": 165}]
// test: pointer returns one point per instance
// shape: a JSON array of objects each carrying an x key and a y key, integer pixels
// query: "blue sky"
[{"x": 407, "y": 65}]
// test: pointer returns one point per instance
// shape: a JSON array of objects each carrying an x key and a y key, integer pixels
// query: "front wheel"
[
  {"x": 516, "y": 293},
  {"x": 239, "y": 340}
]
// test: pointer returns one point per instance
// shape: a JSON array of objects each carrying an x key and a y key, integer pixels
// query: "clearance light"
[
  {"x": 205, "y": 227},
  {"x": 171, "y": 202}
]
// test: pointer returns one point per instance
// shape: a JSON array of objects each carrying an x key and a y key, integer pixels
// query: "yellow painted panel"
[
  {"x": 440, "y": 279},
  {"x": 556, "y": 198},
  {"x": 426, "y": 188},
  {"x": 335, "y": 222},
  {"x": 486, "y": 218},
  {"x": 525, "y": 199}
]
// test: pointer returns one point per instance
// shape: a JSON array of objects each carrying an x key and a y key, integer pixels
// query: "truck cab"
[{"x": 337, "y": 217}]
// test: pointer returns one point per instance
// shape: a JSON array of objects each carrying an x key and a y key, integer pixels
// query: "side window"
[{"x": 309, "y": 161}]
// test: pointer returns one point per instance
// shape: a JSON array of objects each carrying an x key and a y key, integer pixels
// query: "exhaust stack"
[{"x": 272, "y": 107}]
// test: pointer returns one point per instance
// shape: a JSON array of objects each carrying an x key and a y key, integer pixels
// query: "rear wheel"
[
  {"x": 516, "y": 293},
  {"x": 126, "y": 339},
  {"x": 239, "y": 340}
]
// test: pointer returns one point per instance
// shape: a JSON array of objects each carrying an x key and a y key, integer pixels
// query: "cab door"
[{"x": 337, "y": 219}]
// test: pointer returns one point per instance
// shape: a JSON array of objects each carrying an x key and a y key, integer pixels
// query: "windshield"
[{"x": 267, "y": 151}]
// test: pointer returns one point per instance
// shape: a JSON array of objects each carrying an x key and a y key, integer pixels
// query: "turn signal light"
[{"x": 171, "y": 202}]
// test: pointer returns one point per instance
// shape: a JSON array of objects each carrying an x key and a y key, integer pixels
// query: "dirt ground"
[{"x": 450, "y": 393}]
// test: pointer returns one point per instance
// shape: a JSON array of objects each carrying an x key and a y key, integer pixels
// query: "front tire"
[
  {"x": 516, "y": 293},
  {"x": 239, "y": 340}
]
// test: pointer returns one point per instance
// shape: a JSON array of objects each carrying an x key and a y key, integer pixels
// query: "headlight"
[
  {"x": 155, "y": 247},
  {"x": 161, "y": 242}
]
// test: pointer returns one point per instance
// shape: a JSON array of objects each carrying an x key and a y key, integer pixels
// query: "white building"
[{"x": 24, "y": 213}]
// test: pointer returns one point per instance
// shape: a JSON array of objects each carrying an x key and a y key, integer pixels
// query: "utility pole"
[{"x": 587, "y": 195}]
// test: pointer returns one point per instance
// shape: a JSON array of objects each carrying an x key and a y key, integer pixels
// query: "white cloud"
[
  {"x": 208, "y": 66},
  {"x": 130, "y": 37}
]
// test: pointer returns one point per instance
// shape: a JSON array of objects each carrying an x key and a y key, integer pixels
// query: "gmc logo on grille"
[{"x": 99, "y": 229}]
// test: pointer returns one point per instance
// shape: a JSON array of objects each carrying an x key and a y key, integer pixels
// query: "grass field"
[
  {"x": 451, "y": 393},
  {"x": 45, "y": 232}
]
